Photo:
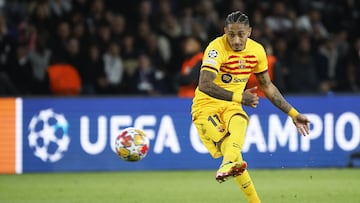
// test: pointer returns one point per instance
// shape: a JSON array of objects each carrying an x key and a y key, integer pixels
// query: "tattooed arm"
[
  {"x": 207, "y": 86},
  {"x": 273, "y": 94}
]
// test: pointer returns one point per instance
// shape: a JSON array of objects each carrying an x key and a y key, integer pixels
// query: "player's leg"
[
  {"x": 210, "y": 129},
  {"x": 231, "y": 148},
  {"x": 247, "y": 187}
]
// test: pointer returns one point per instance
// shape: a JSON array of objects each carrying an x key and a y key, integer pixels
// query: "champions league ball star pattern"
[
  {"x": 48, "y": 135},
  {"x": 132, "y": 144}
]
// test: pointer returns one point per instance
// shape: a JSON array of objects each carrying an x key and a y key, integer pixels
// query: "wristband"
[
  {"x": 293, "y": 113},
  {"x": 237, "y": 97}
]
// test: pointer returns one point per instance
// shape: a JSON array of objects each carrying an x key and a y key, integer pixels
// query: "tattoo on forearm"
[
  {"x": 207, "y": 86},
  {"x": 278, "y": 100},
  {"x": 272, "y": 92},
  {"x": 262, "y": 80}
]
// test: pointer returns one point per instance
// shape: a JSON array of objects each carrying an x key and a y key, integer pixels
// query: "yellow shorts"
[{"x": 212, "y": 123}]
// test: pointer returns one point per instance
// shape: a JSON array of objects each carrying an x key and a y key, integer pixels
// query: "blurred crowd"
[{"x": 138, "y": 47}]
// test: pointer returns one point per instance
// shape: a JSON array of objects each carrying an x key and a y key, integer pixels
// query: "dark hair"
[{"x": 237, "y": 17}]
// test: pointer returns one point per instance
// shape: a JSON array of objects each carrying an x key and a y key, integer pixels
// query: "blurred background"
[
  {"x": 138, "y": 47},
  {"x": 74, "y": 73},
  {"x": 114, "y": 64}
]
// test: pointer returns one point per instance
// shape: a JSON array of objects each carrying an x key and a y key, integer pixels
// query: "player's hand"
[
  {"x": 302, "y": 124},
  {"x": 250, "y": 98}
]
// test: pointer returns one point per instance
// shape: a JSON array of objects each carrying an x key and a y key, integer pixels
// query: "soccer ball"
[
  {"x": 49, "y": 136},
  {"x": 132, "y": 144}
]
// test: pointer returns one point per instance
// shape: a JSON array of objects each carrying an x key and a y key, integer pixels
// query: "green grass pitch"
[{"x": 274, "y": 186}]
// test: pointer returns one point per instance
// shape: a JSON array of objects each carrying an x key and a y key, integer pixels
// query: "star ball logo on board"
[{"x": 48, "y": 135}]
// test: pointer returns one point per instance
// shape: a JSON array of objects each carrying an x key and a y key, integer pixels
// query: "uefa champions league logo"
[{"x": 48, "y": 135}]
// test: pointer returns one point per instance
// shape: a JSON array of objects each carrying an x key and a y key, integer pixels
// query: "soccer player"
[{"x": 217, "y": 111}]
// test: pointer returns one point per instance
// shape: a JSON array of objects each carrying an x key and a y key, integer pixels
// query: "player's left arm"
[{"x": 273, "y": 94}]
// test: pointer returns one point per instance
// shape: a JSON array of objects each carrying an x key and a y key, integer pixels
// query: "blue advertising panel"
[{"x": 77, "y": 134}]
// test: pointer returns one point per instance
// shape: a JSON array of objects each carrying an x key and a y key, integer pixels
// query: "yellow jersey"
[{"x": 233, "y": 69}]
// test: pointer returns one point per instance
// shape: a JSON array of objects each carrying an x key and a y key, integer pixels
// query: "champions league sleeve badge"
[{"x": 213, "y": 53}]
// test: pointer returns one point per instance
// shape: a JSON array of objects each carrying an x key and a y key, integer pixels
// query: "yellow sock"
[
  {"x": 247, "y": 186},
  {"x": 231, "y": 147}
]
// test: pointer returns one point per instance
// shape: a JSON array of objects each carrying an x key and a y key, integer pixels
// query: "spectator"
[
  {"x": 118, "y": 27},
  {"x": 281, "y": 66},
  {"x": 60, "y": 8},
  {"x": 145, "y": 12},
  {"x": 74, "y": 57},
  {"x": 103, "y": 36},
  {"x": 341, "y": 41},
  {"x": 198, "y": 30},
  {"x": 311, "y": 22},
  {"x": 20, "y": 70},
  {"x": 129, "y": 55},
  {"x": 209, "y": 18},
  {"x": 40, "y": 17},
  {"x": 302, "y": 76},
  {"x": 7, "y": 46},
  {"x": 60, "y": 39},
  {"x": 40, "y": 60},
  {"x": 114, "y": 69},
  {"x": 186, "y": 19},
  {"x": 16, "y": 11},
  {"x": 96, "y": 15},
  {"x": 7, "y": 43},
  {"x": 349, "y": 70},
  {"x": 327, "y": 70},
  {"x": 81, "y": 6},
  {"x": 260, "y": 31},
  {"x": 7, "y": 87},
  {"x": 170, "y": 26},
  {"x": 80, "y": 33},
  {"x": 76, "y": 16},
  {"x": 158, "y": 49},
  {"x": 187, "y": 79},
  {"x": 143, "y": 32},
  {"x": 157, "y": 28},
  {"x": 93, "y": 78},
  {"x": 147, "y": 80},
  {"x": 278, "y": 20},
  {"x": 237, "y": 5},
  {"x": 27, "y": 35}
]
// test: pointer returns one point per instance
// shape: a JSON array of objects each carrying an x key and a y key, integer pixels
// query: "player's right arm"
[{"x": 207, "y": 85}]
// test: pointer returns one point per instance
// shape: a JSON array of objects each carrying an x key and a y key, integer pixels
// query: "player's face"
[{"x": 237, "y": 34}]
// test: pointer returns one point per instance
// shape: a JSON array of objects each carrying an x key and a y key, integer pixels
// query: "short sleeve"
[
  {"x": 212, "y": 59},
  {"x": 262, "y": 64}
]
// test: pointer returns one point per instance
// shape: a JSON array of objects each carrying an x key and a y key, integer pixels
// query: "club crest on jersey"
[
  {"x": 242, "y": 64},
  {"x": 213, "y": 53}
]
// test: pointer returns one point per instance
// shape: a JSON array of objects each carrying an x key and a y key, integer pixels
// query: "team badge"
[
  {"x": 213, "y": 54},
  {"x": 242, "y": 64}
]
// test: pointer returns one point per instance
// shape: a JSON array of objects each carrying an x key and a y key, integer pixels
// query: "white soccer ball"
[
  {"x": 132, "y": 144},
  {"x": 48, "y": 135}
]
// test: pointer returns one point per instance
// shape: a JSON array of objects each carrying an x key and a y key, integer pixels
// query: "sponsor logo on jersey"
[
  {"x": 238, "y": 80},
  {"x": 226, "y": 78}
]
